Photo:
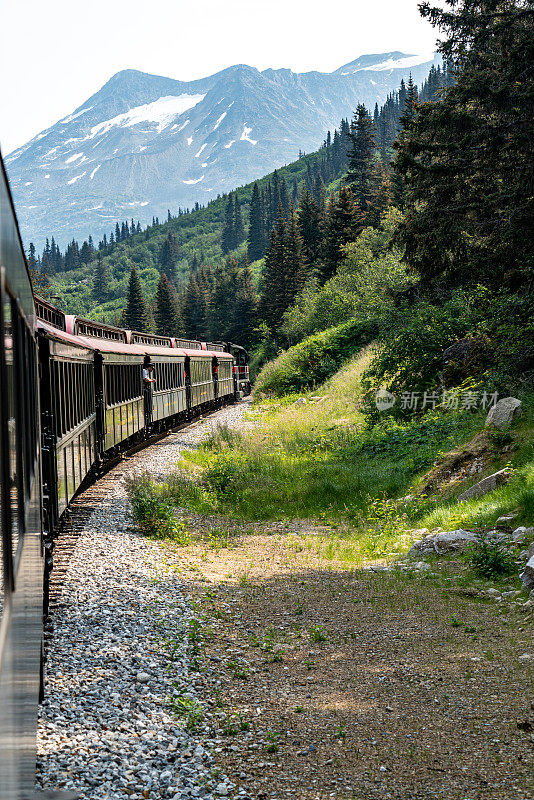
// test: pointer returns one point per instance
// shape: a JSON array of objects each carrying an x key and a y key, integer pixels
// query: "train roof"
[
  {"x": 62, "y": 336},
  {"x": 110, "y": 339}
]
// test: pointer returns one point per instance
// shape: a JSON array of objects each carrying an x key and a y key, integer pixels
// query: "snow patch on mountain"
[
  {"x": 74, "y": 116},
  {"x": 392, "y": 63},
  {"x": 93, "y": 173},
  {"x": 245, "y": 136},
  {"x": 192, "y": 182},
  {"x": 162, "y": 111},
  {"x": 77, "y": 178},
  {"x": 220, "y": 120},
  {"x": 75, "y": 157}
]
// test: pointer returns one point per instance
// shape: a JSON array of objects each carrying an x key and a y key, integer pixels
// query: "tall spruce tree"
[
  {"x": 256, "y": 228},
  {"x": 246, "y": 309},
  {"x": 272, "y": 301},
  {"x": 310, "y": 221},
  {"x": 135, "y": 315},
  {"x": 167, "y": 317},
  {"x": 239, "y": 227},
  {"x": 342, "y": 225},
  {"x": 362, "y": 173},
  {"x": 295, "y": 266},
  {"x": 100, "y": 281},
  {"x": 228, "y": 234},
  {"x": 168, "y": 256}
]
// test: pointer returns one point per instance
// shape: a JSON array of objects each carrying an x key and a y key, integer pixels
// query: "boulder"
[
  {"x": 527, "y": 576},
  {"x": 446, "y": 542},
  {"x": 486, "y": 485},
  {"x": 520, "y": 534},
  {"x": 531, "y": 550},
  {"x": 503, "y": 522},
  {"x": 502, "y": 413}
]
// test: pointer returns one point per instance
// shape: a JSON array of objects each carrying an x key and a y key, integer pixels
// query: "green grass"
[
  {"x": 484, "y": 512},
  {"x": 318, "y": 460},
  {"x": 314, "y": 360}
]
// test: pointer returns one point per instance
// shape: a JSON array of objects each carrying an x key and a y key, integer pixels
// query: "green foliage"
[
  {"x": 167, "y": 318},
  {"x": 311, "y": 362},
  {"x": 465, "y": 160},
  {"x": 154, "y": 515},
  {"x": 416, "y": 441},
  {"x": 414, "y": 336},
  {"x": 136, "y": 317},
  {"x": 370, "y": 274},
  {"x": 305, "y": 462},
  {"x": 188, "y": 709},
  {"x": 489, "y": 559}
]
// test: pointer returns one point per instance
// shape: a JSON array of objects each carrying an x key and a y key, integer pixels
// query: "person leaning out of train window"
[{"x": 148, "y": 374}]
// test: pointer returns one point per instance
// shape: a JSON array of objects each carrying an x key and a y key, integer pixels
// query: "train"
[{"x": 74, "y": 393}]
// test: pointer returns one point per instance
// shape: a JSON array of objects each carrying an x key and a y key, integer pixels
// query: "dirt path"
[{"x": 327, "y": 682}]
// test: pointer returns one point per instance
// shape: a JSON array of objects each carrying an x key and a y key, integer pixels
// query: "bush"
[
  {"x": 154, "y": 515},
  {"x": 314, "y": 360},
  {"x": 413, "y": 338},
  {"x": 489, "y": 559}
]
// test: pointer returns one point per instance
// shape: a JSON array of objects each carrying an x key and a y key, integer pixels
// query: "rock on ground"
[
  {"x": 443, "y": 542},
  {"x": 527, "y": 575},
  {"x": 486, "y": 485},
  {"x": 503, "y": 412}
]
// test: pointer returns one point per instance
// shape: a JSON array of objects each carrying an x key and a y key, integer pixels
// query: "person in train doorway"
[{"x": 149, "y": 379}]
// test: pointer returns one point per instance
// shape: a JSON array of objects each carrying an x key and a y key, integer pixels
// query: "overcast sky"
[{"x": 55, "y": 53}]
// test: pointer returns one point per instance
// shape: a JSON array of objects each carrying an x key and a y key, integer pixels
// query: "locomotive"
[{"x": 72, "y": 396}]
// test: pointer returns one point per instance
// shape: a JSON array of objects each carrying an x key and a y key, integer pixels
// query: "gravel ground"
[{"x": 121, "y": 651}]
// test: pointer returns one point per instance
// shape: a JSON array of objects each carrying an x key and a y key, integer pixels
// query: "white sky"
[{"x": 55, "y": 53}]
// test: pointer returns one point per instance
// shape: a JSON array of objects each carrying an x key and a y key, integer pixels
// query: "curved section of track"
[{"x": 184, "y": 436}]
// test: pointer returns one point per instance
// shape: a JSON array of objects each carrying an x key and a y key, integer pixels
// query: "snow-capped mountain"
[{"x": 144, "y": 144}]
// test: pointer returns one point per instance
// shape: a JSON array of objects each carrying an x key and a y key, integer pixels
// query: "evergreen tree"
[
  {"x": 168, "y": 256},
  {"x": 311, "y": 226},
  {"x": 195, "y": 306},
  {"x": 32, "y": 259},
  {"x": 239, "y": 227},
  {"x": 246, "y": 309},
  {"x": 362, "y": 173},
  {"x": 100, "y": 281},
  {"x": 343, "y": 224},
  {"x": 135, "y": 315},
  {"x": 272, "y": 301},
  {"x": 295, "y": 265},
  {"x": 167, "y": 317},
  {"x": 285, "y": 270},
  {"x": 228, "y": 237},
  {"x": 256, "y": 229},
  {"x": 85, "y": 253},
  {"x": 466, "y": 159}
]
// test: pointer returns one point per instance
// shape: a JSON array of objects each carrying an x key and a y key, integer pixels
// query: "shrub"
[
  {"x": 153, "y": 514},
  {"x": 489, "y": 559}
]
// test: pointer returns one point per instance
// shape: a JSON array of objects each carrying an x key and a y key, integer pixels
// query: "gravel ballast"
[{"x": 119, "y": 655}]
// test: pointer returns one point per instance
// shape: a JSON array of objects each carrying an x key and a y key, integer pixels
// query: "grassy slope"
[
  {"x": 317, "y": 460},
  {"x": 199, "y": 232}
]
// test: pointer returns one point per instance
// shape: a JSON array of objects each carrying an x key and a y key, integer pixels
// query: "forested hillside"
[{"x": 192, "y": 270}]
